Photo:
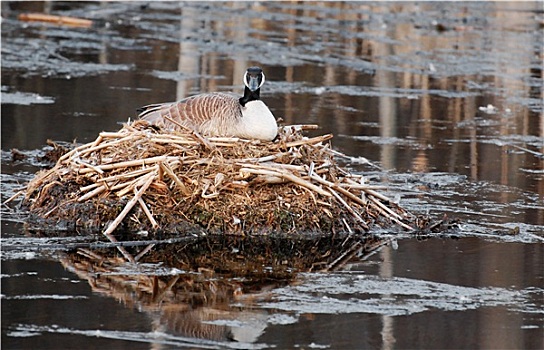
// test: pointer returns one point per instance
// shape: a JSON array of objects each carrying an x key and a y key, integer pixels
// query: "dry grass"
[{"x": 144, "y": 178}]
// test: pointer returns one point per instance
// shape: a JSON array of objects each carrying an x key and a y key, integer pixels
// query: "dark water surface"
[{"x": 445, "y": 99}]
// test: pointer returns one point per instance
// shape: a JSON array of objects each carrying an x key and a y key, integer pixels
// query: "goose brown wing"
[{"x": 195, "y": 112}]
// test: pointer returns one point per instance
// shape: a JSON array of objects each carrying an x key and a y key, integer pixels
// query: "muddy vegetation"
[{"x": 142, "y": 178}]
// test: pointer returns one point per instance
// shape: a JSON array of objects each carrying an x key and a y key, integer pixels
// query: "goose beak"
[
  {"x": 253, "y": 83},
  {"x": 254, "y": 78}
]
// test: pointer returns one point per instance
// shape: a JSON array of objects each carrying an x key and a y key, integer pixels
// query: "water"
[{"x": 444, "y": 99}]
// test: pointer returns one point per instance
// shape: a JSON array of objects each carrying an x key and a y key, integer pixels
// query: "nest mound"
[{"x": 144, "y": 178}]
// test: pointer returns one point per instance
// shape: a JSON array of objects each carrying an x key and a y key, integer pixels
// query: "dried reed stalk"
[
  {"x": 168, "y": 170},
  {"x": 288, "y": 176},
  {"x": 148, "y": 180},
  {"x": 312, "y": 141},
  {"x": 59, "y": 20}
]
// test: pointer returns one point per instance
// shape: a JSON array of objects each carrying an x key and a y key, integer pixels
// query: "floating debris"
[
  {"x": 57, "y": 20},
  {"x": 489, "y": 109}
]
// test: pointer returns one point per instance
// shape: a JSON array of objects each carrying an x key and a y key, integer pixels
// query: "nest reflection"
[{"x": 188, "y": 289}]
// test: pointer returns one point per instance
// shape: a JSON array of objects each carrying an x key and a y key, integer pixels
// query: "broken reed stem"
[
  {"x": 104, "y": 145},
  {"x": 87, "y": 165},
  {"x": 311, "y": 141},
  {"x": 59, "y": 20},
  {"x": 125, "y": 176},
  {"x": 125, "y": 188},
  {"x": 168, "y": 170},
  {"x": 137, "y": 197},
  {"x": 361, "y": 187},
  {"x": 274, "y": 166},
  {"x": 266, "y": 158},
  {"x": 344, "y": 258},
  {"x": 350, "y": 231},
  {"x": 371, "y": 192},
  {"x": 179, "y": 141},
  {"x": 91, "y": 194},
  {"x": 147, "y": 212},
  {"x": 130, "y": 163},
  {"x": 80, "y": 148},
  {"x": 288, "y": 176},
  {"x": 300, "y": 127},
  {"x": 112, "y": 135},
  {"x": 349, "y": 208},
  {"x": 385, "y": 213},
  {"x": 148, "y": 180},
  {"x": 21, "y": 192},
  {"x": 144, "y": 252},
  {"x": 385, "y": 210}
]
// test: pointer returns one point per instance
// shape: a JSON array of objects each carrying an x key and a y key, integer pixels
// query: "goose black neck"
[{"x": 249, "y": 96}]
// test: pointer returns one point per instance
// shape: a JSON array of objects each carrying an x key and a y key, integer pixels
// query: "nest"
[{"x": 146, "y": 179}]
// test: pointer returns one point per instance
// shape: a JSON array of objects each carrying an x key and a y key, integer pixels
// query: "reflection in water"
[{"x": 187, "y": 289}]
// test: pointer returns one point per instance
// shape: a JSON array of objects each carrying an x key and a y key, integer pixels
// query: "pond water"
[{"x": 443, "y": 99}]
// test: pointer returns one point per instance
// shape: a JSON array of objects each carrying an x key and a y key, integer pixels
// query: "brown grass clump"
[{"x": 143, "y": 178}]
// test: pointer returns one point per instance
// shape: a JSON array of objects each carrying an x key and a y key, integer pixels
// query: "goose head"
[{"x": 253, "y": 80}]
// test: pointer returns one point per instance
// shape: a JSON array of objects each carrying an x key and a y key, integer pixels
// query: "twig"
[
  {"x": 344, "y": 258},
  {"x": 126, "y": 187},
  {"x": 89, "y": 166},
  {"x": 372, "y": 192},
  {"x": 112, "y": 135},
  {"x": 347, "y": 226},
  {"x": 361, "y": 187},
  {"x": 60, "y": 20},
  {"x": 179, "y": 141},
  {"x": 91, "y": 194},
  {"x": 144, "y": 252},
  {"x": 98, "y": 146},
  {"x": 310, "y": 141},
  {"x": 299, "y": 127},
  {"x": 14, "y": 196},
  {"x": 350, "y": 209},
  {"x": 385, "y": 211},
  {"x": 166, "y": 168},
  {"x": 124, "y": 212},
  {"x": 385, "y": 207},
  {"x": 287, "y": 176},
  {"x": 125, "y": 176},
  {"x": 130, "y": 163},
  {"x": 147, "y": 212},
  {"x": 274, "y": 166},
  {"x": 537, "y": 154},
  {"x": 266, "y": 158},
  {"x": 227, "y": 139}
]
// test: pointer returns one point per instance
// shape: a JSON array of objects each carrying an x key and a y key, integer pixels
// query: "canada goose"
[{"x": 219, "y": 114}]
